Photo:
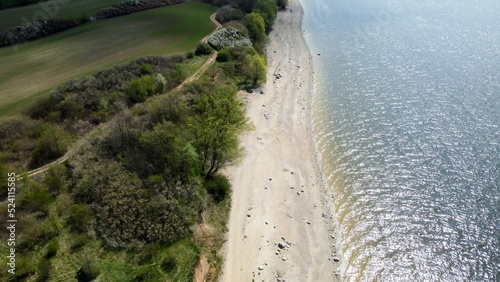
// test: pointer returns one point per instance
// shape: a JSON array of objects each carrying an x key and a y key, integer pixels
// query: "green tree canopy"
[
  {"x": 268, "y": 10},
  {"x": 255, "y": 69},
  {"x": 256, "y": 27},
  {"x": 216, "y": 129}
]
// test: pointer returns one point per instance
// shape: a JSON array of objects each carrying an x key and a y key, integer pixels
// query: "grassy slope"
[
  {"x": 37, "y": 67},
  {"x": 72, "y": 9}
]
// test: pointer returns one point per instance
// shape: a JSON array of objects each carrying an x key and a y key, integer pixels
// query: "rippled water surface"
[{"x": 407, "y": 121}]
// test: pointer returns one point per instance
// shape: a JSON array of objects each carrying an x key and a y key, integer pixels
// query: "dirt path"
[
  {"x": 210, "y": 60},
  {"x": 195, "y": 76}
]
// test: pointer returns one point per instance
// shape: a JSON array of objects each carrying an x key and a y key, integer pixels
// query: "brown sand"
[{"x": 278, "y": 165}]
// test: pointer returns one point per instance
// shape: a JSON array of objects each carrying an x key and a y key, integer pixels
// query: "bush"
[
  {"x": 218, "y": 187},
  {"x": 190, "y": 55},
  {"x": 202, "y": 49},
  {"x": 83, "y": 19},
  {"x": 79, "y": 218},
  {"x": 147, "y": 69},
  {"x": 52, "y": 144},
  {"x": 224, "y": 14},
  {"x": 44, "y": 269},
  {"x": 37, "y": 198},
  {"x": 148, "y": 253},
  {"x": 168, "y": 264},
  {"x": 88, "y": 271},
  {"x": 223, "y": 56},
  {"x": 148, "y": 273},
  {"x": 79, "y": 240},
  {"x": 237, "y": 15},
  {"x": 52, "y": 248},
  {"x": 55, "y": 178}
]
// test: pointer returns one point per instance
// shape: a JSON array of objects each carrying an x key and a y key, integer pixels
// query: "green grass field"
[
  {"x": 35, "y": 68},
  {"x": 71, "y": 9}
]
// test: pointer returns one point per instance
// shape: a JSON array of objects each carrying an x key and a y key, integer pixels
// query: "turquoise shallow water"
[{"x": 407, "y": 123}]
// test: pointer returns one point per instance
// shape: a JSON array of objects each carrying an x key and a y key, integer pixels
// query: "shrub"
[
  {"x": 55, "y": 178},
  {"x": 148, "y": 273},
  {"x": 190, "y": 55},
  {"x": 44, "y": 269},
  {"x": 148, "y": 253},
  {"x": 218, "y": 187},
  {"x": 224, "y": 14},
  {"x": 52, "y": 144},
  {"x": 83, "y": 19},
  {"x": 202, "y": 49},
  {"x": 268, "y": 10},
  {"x": 52, "y": 248},
  {"x": 168, "y": 264},
  {"x": 88, "y": 272},
  {"x": 147, "y": 69},
  {"x": 79, "y": 240},
  {"x": 37, "y": 198},
  {"x": 223, "y": 56},
  {"x": 79, "y": 218},
  {"x": 237, "y": 15}
]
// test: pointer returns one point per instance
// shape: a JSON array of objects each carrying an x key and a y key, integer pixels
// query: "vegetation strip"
[{"x": 141, "y": 196}]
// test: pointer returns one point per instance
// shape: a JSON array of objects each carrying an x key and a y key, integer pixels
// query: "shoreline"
[{"x": 278, "y": 188}]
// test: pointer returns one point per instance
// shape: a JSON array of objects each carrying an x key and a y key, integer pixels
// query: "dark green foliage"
[
  {"x": 3, "y": 177},
  {"x": 52, "y": 248},
  {"x": 148, "y": 253},
  {"x": 247, "y": 5},
  {"x": 78, "y": 241},
  {"x": 83, "y": 19},
  {"x": 142, "y": 88},
  {"x": 36, "y": 234},
  {"x": 79, "y": 218},
  {"x": 147, "y": 273},
  {"x": 202, "y": 49},
  {"x": 135, "y": 6},
  {"x": 281, "y": 4},
  {"x": 55, "y": 177},
  {"x": 53, "y": 143},
  {"x": 31, "y": 31},
  {"x": 225, "y": 14},
  {"x": 44, "y": 269},
  {"x": 36, "y": 198},
  {"x": 190, "y": 55},
  {"x": 6, "y": 4},
  {"x": 88, "y": 272},
  {"x": 85, "y": 95},
  {"x": 147, "y": 69},
  {"x": 223, "y": 56},
  {"x": 168, "y": 264},
  {"x": 268, "y": 10},
  {"x": 237, "y": 15},
  {"x": 24, "y": 268},
  {"x": 218, "y": 187}
]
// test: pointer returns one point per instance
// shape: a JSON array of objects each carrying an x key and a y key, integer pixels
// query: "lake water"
[{"x": 407, "y": 123}]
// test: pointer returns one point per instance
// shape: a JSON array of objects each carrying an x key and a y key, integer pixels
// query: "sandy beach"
[{"x": 278, "y": 195}]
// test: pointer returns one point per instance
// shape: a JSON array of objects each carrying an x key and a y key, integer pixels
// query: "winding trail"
[{"x": 194, "y": 77}]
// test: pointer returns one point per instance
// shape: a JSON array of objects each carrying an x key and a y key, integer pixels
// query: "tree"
[
  {"x": 202, "y": 49},
  {"x": 221, "y": 119},
  {"x": 52, "y": 144},
  {"x": 255, "y": 69},
  {"x": 268, "y": 10},
  {"x": 38, "y": 198},
  {"x": 282, "y": 4},
  {"x": 143, "y": 88},
  {"x": 256, "y": 27}
]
